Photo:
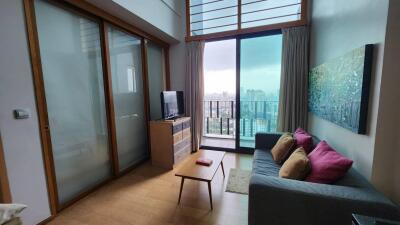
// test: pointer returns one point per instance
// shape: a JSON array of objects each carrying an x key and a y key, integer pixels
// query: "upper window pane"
[
  {"x": 259, "y": 13},
  {"x": 212, "y": 16}
]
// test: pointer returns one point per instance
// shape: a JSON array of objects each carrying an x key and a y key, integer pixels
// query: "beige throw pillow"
[
  {"x": 297, "y": 166},
  {"x": 282, "y": 148}
]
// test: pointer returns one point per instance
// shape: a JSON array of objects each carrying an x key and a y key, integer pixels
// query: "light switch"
[{"x": 21, "y": 114}]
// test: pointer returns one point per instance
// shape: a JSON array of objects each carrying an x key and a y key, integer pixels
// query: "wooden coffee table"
[{"x": 190, "y": 170}]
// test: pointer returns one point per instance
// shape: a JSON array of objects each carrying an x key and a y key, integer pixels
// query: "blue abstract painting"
[{"x": 339, "y": 89}]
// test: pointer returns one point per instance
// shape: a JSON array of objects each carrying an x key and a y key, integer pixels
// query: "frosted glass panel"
[
  {"x": 127, "y": 85},
  {"x": 73, "y": 81},
  {"x": 155, "y": 70}
]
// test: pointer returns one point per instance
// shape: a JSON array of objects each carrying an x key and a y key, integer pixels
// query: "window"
[
  {"x": 260, "y": 78},
  {"x": 213, "y": 16},
  {"x": 259, "y": 13},
  {"x": 229, "y": 17},
  {"x": 241, "y": 95},
  {"x": 219, "y": 117}
]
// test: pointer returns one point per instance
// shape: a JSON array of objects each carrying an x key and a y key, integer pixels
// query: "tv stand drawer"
[
  {"x": 179, "y": 156},
  {"x": 176, "y": 128},
  {"x": 170, "y": 141},
  {"x": 186, "y": 124},
  {"x": 182, "y": 144}
]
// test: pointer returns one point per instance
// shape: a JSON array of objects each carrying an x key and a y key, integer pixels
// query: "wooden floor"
[{"x": 148, "y": 196}]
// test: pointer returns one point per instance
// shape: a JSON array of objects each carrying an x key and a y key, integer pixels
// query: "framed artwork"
[{"x": 339, "y": 89}]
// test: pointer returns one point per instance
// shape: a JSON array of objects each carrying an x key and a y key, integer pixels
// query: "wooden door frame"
[
  {"x": 5, "y": 193},
  {"x": 146, "y": 91},
  {"x": 106, "y": 62},
  {"x": 38, "y": 82},
  {"x": 103, "y": 19}
]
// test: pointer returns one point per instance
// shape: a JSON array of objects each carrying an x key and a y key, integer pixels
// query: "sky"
[{"x": 260, "y": 64}]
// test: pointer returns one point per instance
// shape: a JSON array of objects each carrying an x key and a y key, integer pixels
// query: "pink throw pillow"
[
  {"x": 303, "y": 139},
  {"x": 327, "y": 165}
]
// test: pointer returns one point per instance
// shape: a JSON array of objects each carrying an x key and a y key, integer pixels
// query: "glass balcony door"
[
  {"x": 219, "y": 116},
  {"x": 128, "y": 95},
  {"x": 260, "y": 75}
]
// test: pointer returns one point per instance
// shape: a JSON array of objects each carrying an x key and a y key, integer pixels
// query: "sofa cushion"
[
  {"x": 282, "y": 149},
  {"x": 297, "y": 166},
  {"x": 327, "y": 165},
  {"x": 303, "y": 139},
  {"x": 264, "y": 164},
  {"x": 10, "y": 211}
]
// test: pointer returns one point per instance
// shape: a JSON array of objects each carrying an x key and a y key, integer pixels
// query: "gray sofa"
[{"x": 274, "y": 200}]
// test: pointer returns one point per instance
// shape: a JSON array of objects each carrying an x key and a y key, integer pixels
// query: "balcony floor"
[
  {"x": 225, "y": 142},
  {"x": 218, "y": 142}
]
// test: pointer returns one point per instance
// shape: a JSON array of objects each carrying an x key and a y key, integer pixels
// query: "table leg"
[
  {"x": 222, "y": 167},
  {"x": 209, "y": 192},
  {"x": 180, "y": 192}
]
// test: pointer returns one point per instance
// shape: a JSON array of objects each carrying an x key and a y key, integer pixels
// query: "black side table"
[{"x": 366, "y": 220}]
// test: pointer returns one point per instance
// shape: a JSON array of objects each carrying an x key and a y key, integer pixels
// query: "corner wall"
[
  {"x": 21, "y": 138},
  {"x": 163, "y": 14},
  {"x": 386, "y": 167},
  {"x": 336, "y": 28}
]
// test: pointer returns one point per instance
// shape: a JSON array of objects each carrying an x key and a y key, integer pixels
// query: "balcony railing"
[{"x": 256, "y": 116}]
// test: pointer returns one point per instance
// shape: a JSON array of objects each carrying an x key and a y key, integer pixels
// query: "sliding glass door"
[
  {"x": 219, "y": 112},
  {"x": 73, "y": 82},
  {"x": 241, "y": 90},
  {"x": 260, "y": 75},
  {"x": 97, "y": 86},
  {"x": 128, "y": 95}
]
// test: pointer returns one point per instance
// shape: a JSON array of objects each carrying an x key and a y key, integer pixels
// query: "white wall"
[
  {"x": 177, "y": 56},
  {"x": 163, "y": 14},
  {"x": 386, "y": 166},
  {"x": 164, "y": 19},
  {"x": 336, "y": 28},
  {"x": 21, "y": 139}
]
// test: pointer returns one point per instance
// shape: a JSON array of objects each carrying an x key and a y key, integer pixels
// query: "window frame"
[
  {"x": 244, "y": 31},
  {"x": 238, "y": 38}
]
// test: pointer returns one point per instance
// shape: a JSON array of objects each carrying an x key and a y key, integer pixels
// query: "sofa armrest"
[
  {"x": 15, "y": 221},
  {"x": 312, "y": 203},
  {"x": 266, "y": 140}
]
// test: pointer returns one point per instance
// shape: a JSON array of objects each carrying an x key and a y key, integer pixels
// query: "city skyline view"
[{"x": 261, "y": 68}]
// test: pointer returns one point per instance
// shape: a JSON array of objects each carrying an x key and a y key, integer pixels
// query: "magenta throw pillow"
[
  {"x": 327, "y": 165},
  {"x": 303, "y": 139}
]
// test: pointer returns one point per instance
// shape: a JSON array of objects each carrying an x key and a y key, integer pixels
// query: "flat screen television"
[{"x": 172, "y": 104}]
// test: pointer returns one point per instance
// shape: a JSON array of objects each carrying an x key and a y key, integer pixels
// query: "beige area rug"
[{"x": 238, "y": 181}]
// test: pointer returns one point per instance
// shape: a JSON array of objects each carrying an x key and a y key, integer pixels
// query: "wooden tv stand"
[{"x": 170, "y": 141}]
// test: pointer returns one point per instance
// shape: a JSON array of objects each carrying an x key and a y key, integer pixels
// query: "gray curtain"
[
  {"x": 294, "y": 80},
  {"x": 195, "y": 90}
]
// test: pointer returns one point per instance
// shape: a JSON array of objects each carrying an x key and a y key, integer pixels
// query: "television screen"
[
  {"x": 172, "y": 104},
  {"x": 181, "y": 105}
]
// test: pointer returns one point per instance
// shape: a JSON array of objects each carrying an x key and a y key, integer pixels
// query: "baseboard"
[{"x": 45, "y": 221}]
